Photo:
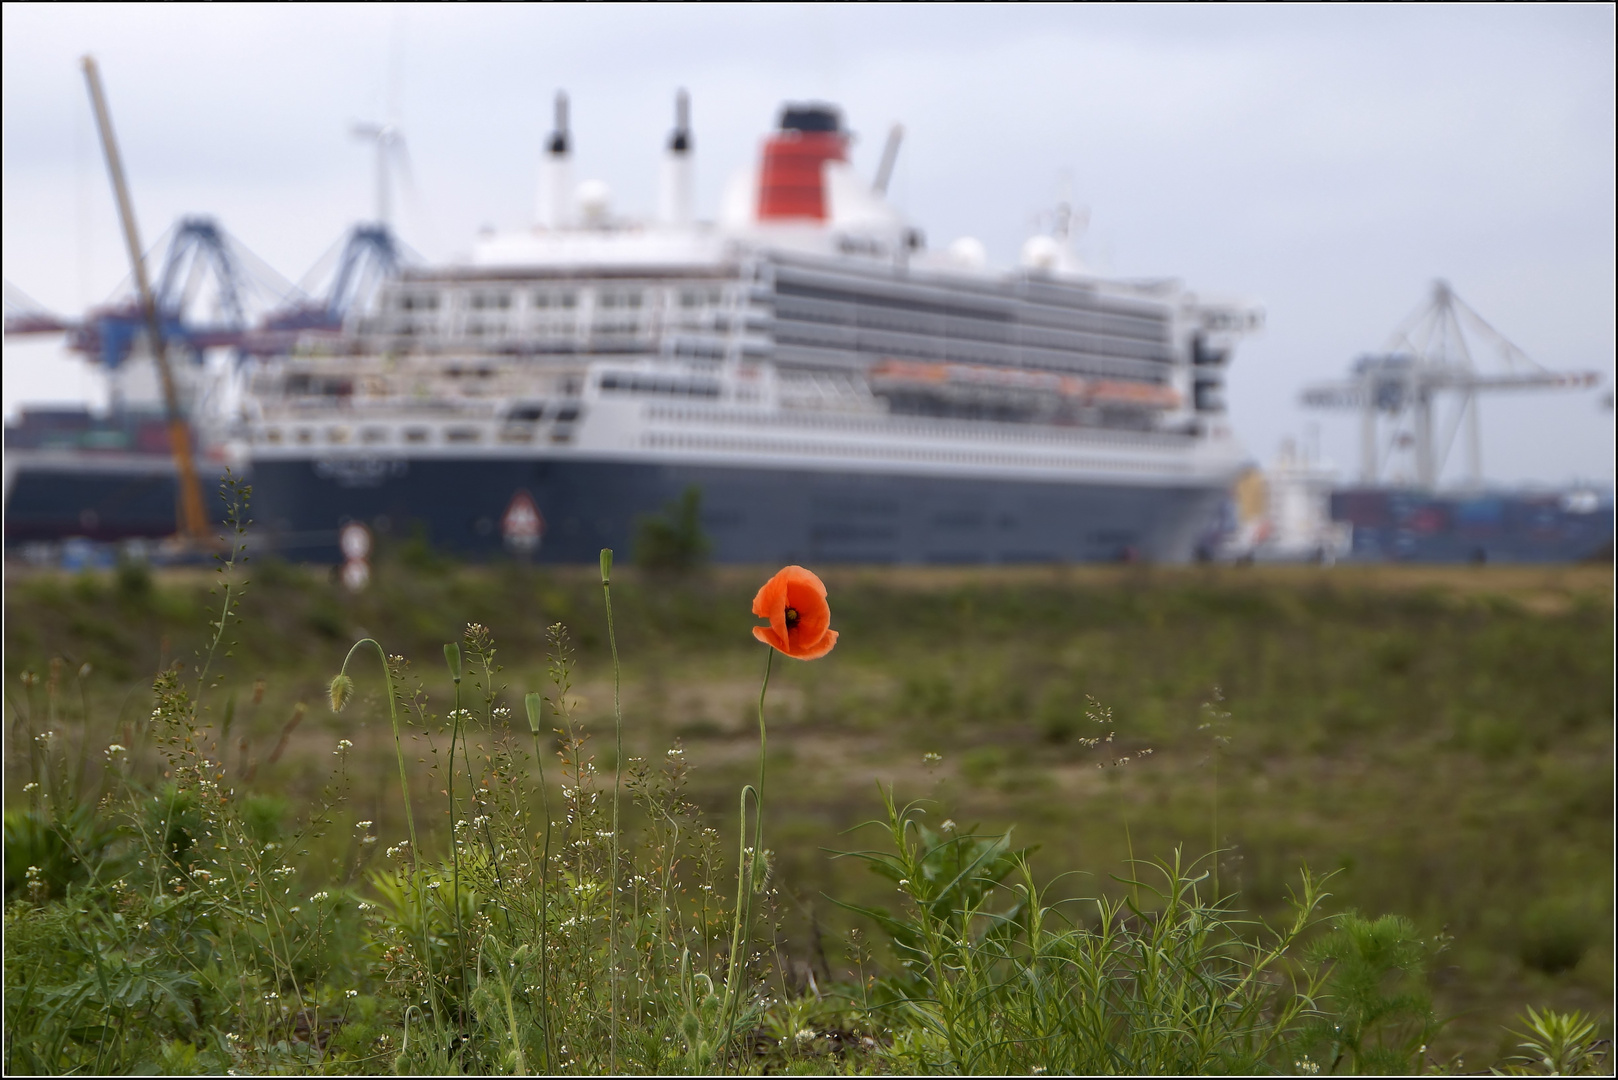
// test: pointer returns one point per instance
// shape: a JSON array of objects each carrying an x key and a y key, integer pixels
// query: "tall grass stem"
[{"x": 617, "y": 784}]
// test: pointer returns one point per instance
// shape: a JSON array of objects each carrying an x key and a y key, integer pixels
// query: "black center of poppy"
[{"x": 792, "y": 618}]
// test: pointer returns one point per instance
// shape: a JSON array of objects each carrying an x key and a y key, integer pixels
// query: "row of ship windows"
[
  {"x": 992, "y": 326},
  {"x": 722, "y": 444},
  {"x": 342, "y": 435},
  {"x": 603, "y": 323},
  {"x": 566, "y": 299},
  {"x": 970, "y": 350},
  {"x": 1081, "y": 364},
  {"x": 1042, "y": 350},
  {"x": 1062, "y": 308},
  {"x": 920, "y": 426}
]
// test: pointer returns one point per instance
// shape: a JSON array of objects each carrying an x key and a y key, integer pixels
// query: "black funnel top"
[
  {"x": 558, "y": 142},
  {"x": 680, "y": 139},
  {"x": 812, "y": 116}
]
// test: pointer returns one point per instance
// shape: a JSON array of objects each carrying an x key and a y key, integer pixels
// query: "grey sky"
[{"x": 1326, "y": 161}]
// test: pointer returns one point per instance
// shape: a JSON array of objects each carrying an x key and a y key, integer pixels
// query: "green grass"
[{"x": 1440, "y": 742}]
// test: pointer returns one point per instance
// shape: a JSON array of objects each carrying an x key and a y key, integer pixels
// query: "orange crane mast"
[{"x": 192, "y": 523}]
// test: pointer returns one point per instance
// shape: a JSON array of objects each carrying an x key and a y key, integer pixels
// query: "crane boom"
[{"x": 193, "y": 525}]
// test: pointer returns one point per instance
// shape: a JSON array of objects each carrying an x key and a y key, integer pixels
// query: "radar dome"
[
  {"x": 969, "y": 251},
  {"x": 593, "y": 199},
  {"x": 1042, "y": 253}
]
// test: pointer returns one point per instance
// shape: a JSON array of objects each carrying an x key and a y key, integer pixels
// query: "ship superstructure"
[{"x": 836, "y": 391}]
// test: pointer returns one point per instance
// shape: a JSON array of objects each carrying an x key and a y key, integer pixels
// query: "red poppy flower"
[{"x": 794, "y": 601}]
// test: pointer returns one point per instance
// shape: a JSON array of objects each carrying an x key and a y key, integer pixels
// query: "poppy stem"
[
  {"x": 747, "y": 868},
  {"x": 758, "y": 811}
]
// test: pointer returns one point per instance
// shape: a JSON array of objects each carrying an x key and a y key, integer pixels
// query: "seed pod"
[
  {"x": 532, "y": 703},
  {"x": 342, "y": 688},
  {"x": 452, "y": 657}
]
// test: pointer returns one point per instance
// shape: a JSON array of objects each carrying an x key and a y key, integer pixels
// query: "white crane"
[{"x": 1397, "y": 392}]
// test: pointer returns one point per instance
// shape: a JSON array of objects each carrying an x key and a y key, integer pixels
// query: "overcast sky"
[{"x": 1328, "y": 162}]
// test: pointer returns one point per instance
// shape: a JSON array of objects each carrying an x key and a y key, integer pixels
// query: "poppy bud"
[
  {"x": 452, "y": 657},
  {"x": 606, "y": 566},
  {"x": 532, "y": 703}
]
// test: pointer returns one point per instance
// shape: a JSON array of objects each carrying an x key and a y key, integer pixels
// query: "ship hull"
[
  {"x": 1407, "y": 526},
  {"x": 748, "y": 514},
  {"x": 53, "y": 495}
]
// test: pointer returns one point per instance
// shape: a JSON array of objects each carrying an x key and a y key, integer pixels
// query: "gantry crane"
[{"x": 1397, "y": 392}]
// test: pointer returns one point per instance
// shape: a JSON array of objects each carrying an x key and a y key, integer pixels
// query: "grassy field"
[{"x": 1440, "y": 739}]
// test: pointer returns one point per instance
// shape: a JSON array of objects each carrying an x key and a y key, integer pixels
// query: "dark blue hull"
[
  {"x": 99, "y": 502},
  {"x": 749, "y": 515}
]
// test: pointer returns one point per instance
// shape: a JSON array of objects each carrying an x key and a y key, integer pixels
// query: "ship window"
[
  {"x": 645, "y": 384},
  {"x": 542, "y": 300},
  {"x": 305, "y": 436},
  {"x": 569, "y": 300},
  {"x": 415, "y": 435},
  {"x": 462, "y": 435},
  {"x": 374, "y": 435},
  {"x": 419, "y": 301},
  {"x": 272, "y": 435},
  {"x": 337, "y": 434}
]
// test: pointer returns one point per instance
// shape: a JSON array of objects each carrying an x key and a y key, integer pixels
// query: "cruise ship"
[{"x": 834, "y": 390}]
